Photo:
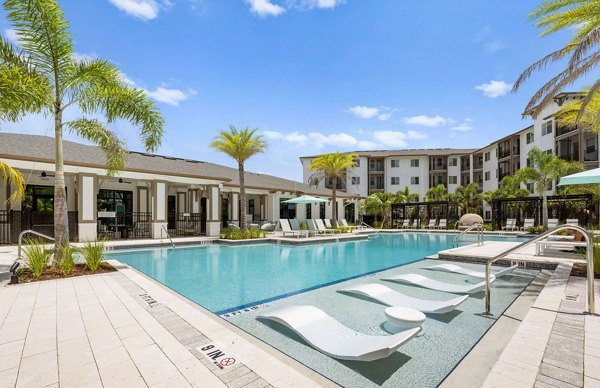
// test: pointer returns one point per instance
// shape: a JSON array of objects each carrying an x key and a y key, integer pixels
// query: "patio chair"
[
  {"x": 393, "y": 298},
  {"x": 452, "y": 268},
  {"x": 351, "y": 227},
  {"x": 442, "y": 224},
  {"x": 528, "y": 223},
  {"x": 268, "y": 226},
  {"x": 328, "y": 224},
  {"x": 511, "y": 224},
  {"x": 332, "y": 338},
  {"x": 552, "y": 223},
  {"x": 295, "y": 224},
  {"x": 573, "y": 221},
  {"x": 425, "y": 282},
  {"x": 404, "y": 224},
  {"x": 286, "y": 229},
  {"x": 321, "y": 227},
  {"x": 431, "y": 224}
]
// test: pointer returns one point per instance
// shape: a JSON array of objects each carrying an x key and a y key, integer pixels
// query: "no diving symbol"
[{"x": 227, "y": 361}]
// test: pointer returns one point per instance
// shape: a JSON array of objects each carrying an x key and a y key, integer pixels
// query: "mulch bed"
[
  {"x": 54, "y": 273},
  {"x": 580, "y": 270}
]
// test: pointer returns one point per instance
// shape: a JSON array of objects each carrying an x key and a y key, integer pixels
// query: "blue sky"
[{"x": 316, "y": 75}]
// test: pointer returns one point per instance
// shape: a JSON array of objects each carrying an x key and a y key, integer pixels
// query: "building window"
[
  {"x": 529, "y": 138},
  {"x": 549, "y": 151},
  {"x": 322, "y": 210},
  {"x": 395, "y": 180},
  {"x": 356, "y": 162},
  {"x": 308, "y": 211},
  {"x": 488, "y": 215},
  {"x": 39, "y": 199},
  {"x": 452, "y": 179},
  {"x": 486, "y": 156},
  {"x": 395, "y": 163},
  {"x": 115, "y": 201},
  {"x": 547, "y": 128},
  {"x": 487, "y": 175},
  {"x": 452, "y": 162},
  {"x": 414, "y": 162},
  {"x": 286, "y": 210},
  {"x": 530, "y": 187},
  {"x": 414, "y": 180},
  {"x": 356, "y": 180}
]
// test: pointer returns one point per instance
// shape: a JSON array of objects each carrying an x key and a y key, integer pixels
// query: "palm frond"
[
  {"x": 9, "y": 174},
  {"x": 541, "y": 65},
  {"x": 239, "y": 145},
  {"x": 584, "y": 44}
]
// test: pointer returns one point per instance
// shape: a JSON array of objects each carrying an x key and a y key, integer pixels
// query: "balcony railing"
[
  {"x": 569, "y": 157},
  {"x": 564, "y": 130},
  {"x": 591, "y": 157},
  {"x": 503, "y": 153}
]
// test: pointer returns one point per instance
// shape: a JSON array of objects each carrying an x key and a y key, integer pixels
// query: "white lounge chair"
[
  {"x": 431, "y": 224},
  {"x": 393, "y": 298},
  {"x": 552, "y": 223},
  {"x": 441, "y": 224},
  {"x": 404, "y": 224},
  {"x": 328, "y": 225},
  {"x": 286, "y": 229},
  {"x": 541, "y": 246},
  {"x": 344, "y": 224},
  {"x": 425, "y": 282},
  {"x": 321, "y": 227},
  {"x": 511, "y": 224},
  {"x": 332, "y": 338},
  {"x": 452, "y": 268},
  {"x": 527, "y": 223},
  {"x": 573, "y": 221}
]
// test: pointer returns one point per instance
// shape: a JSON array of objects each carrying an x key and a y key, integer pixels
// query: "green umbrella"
[
  {"x": 581, "y": 178},
  {"x": 306, "y": 199}
]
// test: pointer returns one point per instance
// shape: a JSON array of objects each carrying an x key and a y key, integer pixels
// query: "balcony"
[
  {"x": 465, "y": 166},
  {"x": 516, "y": 151},
  {"x": 503, "y": 153},
  {"x": 569, "y": 157},
  {"x": 564, "y": 130}
]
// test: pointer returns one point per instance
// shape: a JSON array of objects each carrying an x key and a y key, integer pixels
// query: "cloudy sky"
[{"x": 316, "y": 75}]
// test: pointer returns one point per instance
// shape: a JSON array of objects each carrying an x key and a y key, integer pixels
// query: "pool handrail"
[
  {"x": 589, "y": 259},
  {"x": 168, "y": 236},
  {"x": 477, "y": 226},
  {"x": 29, "y": 231}
]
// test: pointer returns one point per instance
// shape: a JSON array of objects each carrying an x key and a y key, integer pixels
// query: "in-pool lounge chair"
[
  {"x": 393, "y": 298},
  {"x": 528, "y": 223},
  {"x": 287, "y": 229},
  {"x": 322, "y": 229},
  {"x": 332, "y": 338},
  {"x": 425, "y": 282},
  {"x": 431, "y": 224},
  {"x": 452, "y": 268}
]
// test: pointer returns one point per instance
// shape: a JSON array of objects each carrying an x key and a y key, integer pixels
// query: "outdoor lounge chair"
[
  {"x": 541, "y": 246},
  {"x": 393, "y": 298},
  {"x": 431, "y": 224},
  {"x": 528, "y": 223},
  {"x": 332, "y": 338},
  {"x": 328, "y": 225},
  {"x": 425, "y": 282},
  {"x": 231, "y": 225},
  {"x": 322, "y": 229},
  {"x": 442, "y": 224},
  {"x": 511, "y": 224},
  {"x": 552, "y": 223},
  {"x": 351, "y": 227},
  {"x": 452, "y": 268},
  {"x": 287, "y": 229},
  {"x": 296, "y": 227},
  {"x": 404, "y": 224},
  {"x": 573, "y": 221}
]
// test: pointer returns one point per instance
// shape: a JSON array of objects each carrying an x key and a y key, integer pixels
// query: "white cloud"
[
  {"x": 426, "y": 121},
  {"x": 323, "y": 4},
  {"x": 493, "y": 46},
  {"x": 367, "y": 145},
  {"x": 335, "y": 139},
  {"x": 391, "y": 138},
  {"x": 482, "y": 34},
  {"x": 142, "y": 9},
  {"x": 273, "y": 135},
  {"x": 416, "y": 135},
  {"x": 462, "y": 127},
  {"x": 169, "y": 96},
  {"x": 293, "y": 137},
  {"x": 384, "y": 116},
  {"x": 78, "y": 57},
  {"x": 364, "y": 112},
  {"x": 126, "y": 79},
  {"x": 12, "y": 35},
  {"x": 494, "y": 89},
  {"x": 265, "y": 8}
]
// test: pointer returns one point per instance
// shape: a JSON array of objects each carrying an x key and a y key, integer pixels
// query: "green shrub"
[
  {"x": 597, "y": 259},
  {"x": 304, "y": 226},
  {"x": 535, "y": 229},
  {"x": 93, "y": 253},
  {"x": 36, "y": 256},
  {"x": 67, "y": 263},
  {"x": 239, "y": 234},
  {"x": 488, "y": 227}
]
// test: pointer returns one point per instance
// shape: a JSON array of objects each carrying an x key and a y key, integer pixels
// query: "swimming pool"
[{"x": 225, "y": 278}]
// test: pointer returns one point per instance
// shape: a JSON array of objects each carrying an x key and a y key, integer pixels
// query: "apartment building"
[{"x": 422, "y": 169}]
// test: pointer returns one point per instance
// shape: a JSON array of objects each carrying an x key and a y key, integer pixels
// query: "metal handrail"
[
  {"x": 161, "y": 236},
  {"x": 589, "y": 259},
  {"x": 30, "y": 232},
  {"x": 477, "y": 226}
]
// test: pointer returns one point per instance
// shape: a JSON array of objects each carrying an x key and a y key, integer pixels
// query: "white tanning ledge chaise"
[
  {"x": 330, "y": 337},
  {"x": 425, "y": 282},
  {"x": 452, "y": 268},
  {"x": 393, "y": 298}
]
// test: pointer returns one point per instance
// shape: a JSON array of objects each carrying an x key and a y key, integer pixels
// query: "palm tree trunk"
[
  {"x": 334, "y": 209},
  {"x": 545, "y": 209},
  {"x": 61, "y": 221},
  {"x": 243, "y": 221}
]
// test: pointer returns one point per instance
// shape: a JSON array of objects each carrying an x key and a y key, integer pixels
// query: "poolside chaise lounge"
[
  {"x": 573, "y": 221},
  {"x": 527, "y": 223},
  {"x": 541, "y": 246},
  {"x": 332, "y": 338},
  {"x": 452, "y": 268},
  {"x": 321, "y": 227},
  {"x": 328, "y": 224},
  {"x": 431, "y": 224},
  {"x": 511, "y": 224},
  {"x": 312, "y": 227},
  {"x": 552, "y": 223},
  {"x": 404, "y": 224},
  {"x": 287, "y": 229},
  {"x": 442, "y": 224},
  {"x": 425, "y": 282},
  {"x": 393, "y": 298},
  {"x": 296, "y": 227},
  {"x": 351, "y": 227}
]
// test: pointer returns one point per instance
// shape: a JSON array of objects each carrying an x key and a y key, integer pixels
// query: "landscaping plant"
[
  {"x": 67, "y": 262},
  {"x": 36, "y": 256},
  {"x": 93, "y": 253}
]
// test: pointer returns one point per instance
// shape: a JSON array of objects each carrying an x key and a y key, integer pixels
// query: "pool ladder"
[
  {"x": 169, "y": 237},
  {"x": 479, "y": 227}
]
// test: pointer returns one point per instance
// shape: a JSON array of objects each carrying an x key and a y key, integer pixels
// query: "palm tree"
[
  {"x": 573, "y": 115},
  {"x": 468, "y": 198},
  {"x": 380, "y": 204},
  {"x": 437, "y": 193},
  {"x": 510, "y": 187},
  {"x": 241, "y": 146},
  {"x": 333, "y": 167},
  {"x": 545, "y": 169},
  {"x": 40, "y": 75},
  {"x": 10, "y": 175},
  {"x": 405, "y": 196},
  {"x": 557, "y": 15}
]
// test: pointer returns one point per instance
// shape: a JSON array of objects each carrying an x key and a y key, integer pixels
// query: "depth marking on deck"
[
  {"x": 150, "y": 301},
  {"x": 245, "y": 310},
  {"x": 216, "y": 355}
]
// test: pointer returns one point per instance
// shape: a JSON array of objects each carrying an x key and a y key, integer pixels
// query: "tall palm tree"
[
  {"x": 405, "y": 196},
  {"x": 437, "y": 193},
  {"x": 380, "y": 204},
  {"x": 573, "y": 115},
  {"x": 545, "y": 169},
  {"x": 510, "y": 187},
  {"x": 468, "y": 198},
  {"x": 40, "y": 75},
  {"x": 332, "y": 167},
  {"x": 582, "y": 51},
  {"x": 11, "y": 175},
  {"x": 241, "y": 146}
]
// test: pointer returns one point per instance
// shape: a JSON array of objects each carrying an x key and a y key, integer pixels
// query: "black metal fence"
[
  {"x": 124, "y": 225},
  {"x": 419, "y": 212},
  {"x": 187, "y": 224},
  {"x": 578, "y": 207},
  {"x": 13, "y": 222}
]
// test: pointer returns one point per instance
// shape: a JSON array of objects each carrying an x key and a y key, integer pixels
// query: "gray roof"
[
  {"x": 407, "y": 152},
  {"x": 41, "y": 148}
]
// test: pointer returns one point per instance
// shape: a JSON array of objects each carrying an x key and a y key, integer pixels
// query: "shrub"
[
  {"x": 535, "y": 229},
  {"x": 36, "y": 256},
  {"x": 68, "y": 261},
  {"x": 240, "y": 234},
  {"x": 93, "y": 253},
  {"x": 488, "y": 227},
  {"x": 597, "y": 259}
]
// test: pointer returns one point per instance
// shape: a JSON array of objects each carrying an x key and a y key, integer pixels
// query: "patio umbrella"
[
  {"x": 306, "y": 199},
  {"x": 581, "y": 178}
]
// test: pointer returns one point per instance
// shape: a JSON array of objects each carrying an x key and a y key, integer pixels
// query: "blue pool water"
[{"x": 225, "y": 278}]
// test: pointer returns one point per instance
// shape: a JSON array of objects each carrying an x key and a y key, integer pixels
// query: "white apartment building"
[{"x": 421, "y": 169}]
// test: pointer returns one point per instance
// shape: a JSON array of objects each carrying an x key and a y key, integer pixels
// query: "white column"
[
  {"x": 86, "y": 207},
  {"x": 159, "y": 209},
  {"x": 213, "y": 213},
  {"x": 301, "y": 212},
  {"x": 471, "y": 168},
  {"x": 328, "y": 211},
  {"x": 235, "y": 208}
]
